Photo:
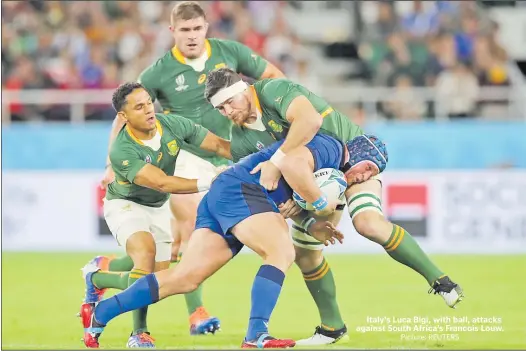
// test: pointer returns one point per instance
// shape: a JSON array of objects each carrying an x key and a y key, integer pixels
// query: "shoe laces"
[{"x": 442, "y": 288}]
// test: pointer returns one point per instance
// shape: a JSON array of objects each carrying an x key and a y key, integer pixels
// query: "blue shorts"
[{"x": 228, "y": 202}]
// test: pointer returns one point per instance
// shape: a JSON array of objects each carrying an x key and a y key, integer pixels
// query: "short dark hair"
[
  {"x": 118, "y": 100},
  {"x": 218, "y": 79},
  {"x": 186, "y": 10}
]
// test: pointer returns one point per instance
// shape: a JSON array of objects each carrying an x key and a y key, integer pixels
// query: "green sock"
[
  {"x": 114, "y": 280},
  {"x": 320, "y": 282},
  {"x": 193, "y": 299},
  {"x": 139, "y": 316},
  {"x": 121, "y": 264},
  {"x": 403, "y": 248}
]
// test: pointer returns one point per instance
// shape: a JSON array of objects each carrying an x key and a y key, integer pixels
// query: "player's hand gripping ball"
[{"x": 331, "y": 182}]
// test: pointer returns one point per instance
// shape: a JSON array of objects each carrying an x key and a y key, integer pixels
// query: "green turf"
[{"x": 41, "y": 294}]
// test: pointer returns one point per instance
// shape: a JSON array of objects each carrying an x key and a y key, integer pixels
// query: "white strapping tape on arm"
[{"x": 227, "y": 93}]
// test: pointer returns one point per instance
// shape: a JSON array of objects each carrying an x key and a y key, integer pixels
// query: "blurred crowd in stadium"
[{"x": 98, "y": 44}]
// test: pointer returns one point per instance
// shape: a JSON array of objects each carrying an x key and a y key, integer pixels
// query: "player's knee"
[
  {"x": 307, "y": 260},
  {"x": 281, "y": 258},
  {"x": 371, "y": 225}
]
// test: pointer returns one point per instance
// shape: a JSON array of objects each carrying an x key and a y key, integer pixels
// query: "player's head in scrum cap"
[
  {"x": 231, "y": 96},
  {"x": 134, "y": 104},
  {"x": 189, "y": 27}
]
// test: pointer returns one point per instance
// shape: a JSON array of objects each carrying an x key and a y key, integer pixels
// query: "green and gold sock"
[
  {"x": 193, "y": 299},
  {"x": 320, "y": 282},
  {"x": 403, "y": 248},
  {"x": 139, "y": 316},
  {"x": 113, "y": 280},
  {"x": 121, "y": 264}
]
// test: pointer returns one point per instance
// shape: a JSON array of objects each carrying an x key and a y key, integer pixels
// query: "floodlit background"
[{"x": 442, "y": 82}]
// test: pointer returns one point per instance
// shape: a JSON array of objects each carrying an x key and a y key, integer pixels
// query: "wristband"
[
  {"x": 321, "y": 203},
  {"x": 203, "y": 184},
  {"x": 277, "y": 158}
]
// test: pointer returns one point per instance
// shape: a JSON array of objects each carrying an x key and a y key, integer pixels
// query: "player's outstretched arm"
[
  {"x": 154, "y": 178},
  {"x": 220, "y": 146}
]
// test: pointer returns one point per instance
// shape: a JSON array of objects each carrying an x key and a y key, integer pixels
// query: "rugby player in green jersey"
[
  {"x": 289, "y": 111},
  {"x": 143, "y": 157},
  {"x": 177, "y": 80}
]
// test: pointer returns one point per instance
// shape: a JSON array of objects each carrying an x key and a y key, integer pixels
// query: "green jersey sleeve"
[
  {"x": 279, "y": 93},
  {"x": 248, "y": 62},
  {"x": 126, "y": 163},
  {"x": 149, "y": 80},
  {"x": 191, "y": 133},
  {"x": 240, "y": 145}
]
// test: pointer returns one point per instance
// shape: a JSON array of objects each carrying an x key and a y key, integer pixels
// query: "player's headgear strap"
[
  {"x": 227, "y": 93},
  {"x": 366, "y": 148}
]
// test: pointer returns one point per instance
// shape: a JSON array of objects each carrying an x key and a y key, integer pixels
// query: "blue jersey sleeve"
[{"x": 327, "y": 152}]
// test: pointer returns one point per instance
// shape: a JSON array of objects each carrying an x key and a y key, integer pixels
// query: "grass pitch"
[{"x": 41, "y": 294}]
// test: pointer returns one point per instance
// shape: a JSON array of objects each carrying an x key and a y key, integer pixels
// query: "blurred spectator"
[
  {"x": 399, "y": 61},
  {"x": 421, "y": 21},
  {"x": 381, "y": 19},
  {"x": 443, "y": 55},
  {"x": 405, "y": 103},
  {"x": 99, "y": 44},
  {"x": 457, "y": 91}
]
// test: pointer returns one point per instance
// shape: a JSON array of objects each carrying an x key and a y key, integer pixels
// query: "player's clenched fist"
[{"x": 109, "y": 176}]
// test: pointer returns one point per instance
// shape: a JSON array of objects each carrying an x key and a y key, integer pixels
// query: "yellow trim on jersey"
[
  {"x": 123, "y": 182},
  {"x": 178, "y": 55},
  {"x": 326, "y": 112},
  {"x": 130, "y": 133},
  {"x": 256, "y": 99},
  {"x": 159, "y": 127}
]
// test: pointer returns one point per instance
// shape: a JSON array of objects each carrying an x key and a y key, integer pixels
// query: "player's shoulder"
[
  {"x": 122, "y": 145},
  {"x": 157, "y": 66},
  {"x": 226, "y": 43}
]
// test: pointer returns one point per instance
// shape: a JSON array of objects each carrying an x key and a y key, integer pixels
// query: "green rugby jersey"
[
  {"x": 273, "y": 97},
  {"x": 180, "y": 89},
  {"x": 129, "y": 155}
]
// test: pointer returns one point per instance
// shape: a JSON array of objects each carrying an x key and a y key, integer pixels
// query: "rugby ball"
[{"x": 332, "y": 183}]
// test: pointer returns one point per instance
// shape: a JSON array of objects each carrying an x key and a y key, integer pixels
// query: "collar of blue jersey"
[{"x": 178, "y": 55}]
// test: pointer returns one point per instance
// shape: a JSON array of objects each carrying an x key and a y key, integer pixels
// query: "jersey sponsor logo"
[
  {"x": 179, "y": 80},
  {"x": 160, "y": 156},
  {"x": 260, "y": 145},
  {"x": 278, "y": 99},
  {"x": 125, "y": 162},
  {"x": 201, "y": 79},
  {"x": 275, "y": 127},
  {"x": 173, "y": 148},
  {"x": 220, "y": 65},
  {"x": 148, "y": 159},
  {"x": 126, "y": 207},
  {"x": 254, "y": 56}
]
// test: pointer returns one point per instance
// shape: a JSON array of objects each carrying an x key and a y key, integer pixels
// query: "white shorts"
[
  {"x": 190, "y": 166},
  {"x": 125, "y": 218},
  {"x": 305, "y": 241}
]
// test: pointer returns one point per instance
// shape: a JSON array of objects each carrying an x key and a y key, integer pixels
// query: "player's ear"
[
  {"x": 122, "y": 116},
  {"x": 206, "y": 27},
  {"x": 171, "y": 28}
]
